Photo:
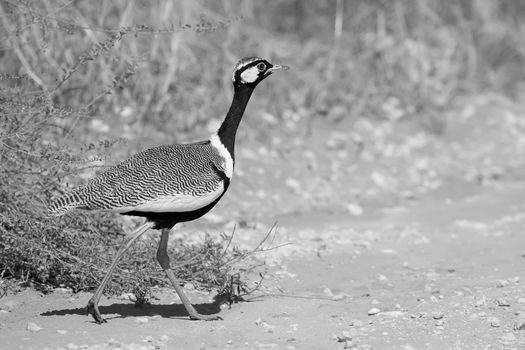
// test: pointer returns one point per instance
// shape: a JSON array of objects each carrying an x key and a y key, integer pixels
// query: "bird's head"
[{"x": 250, "y": 71}]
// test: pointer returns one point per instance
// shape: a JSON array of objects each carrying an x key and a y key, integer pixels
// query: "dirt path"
[{"x": 440, "y": 273}]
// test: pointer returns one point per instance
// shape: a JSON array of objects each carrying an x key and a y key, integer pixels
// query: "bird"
[{"x": 169, "y": 184}]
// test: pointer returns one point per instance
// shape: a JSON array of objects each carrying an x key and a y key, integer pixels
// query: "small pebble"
[
  {"x": 61, "y": 331},
  {"x": 128, "y": 296},
  {"x": 9, "y": 305},
  {"x": 33, "y": 327},
  {"x": 481, "y": 301},
  {"x": 373, "y": 311},
  {"x": 520, "y": 323},
  {"x": 382, "y": 278},
  {"x": 502, "y": 302},
  {"x": 338, "y": 297},
  {"x": 438, "y": 315},
  {"x": 189, "y": 286},
  {"x": 502, "y": 283},
  {"x": 142, "y": 320},
  {"x": 493, "y": 321},
  {"x": 508, "y": 338},
  {"x": 393, "y": 313},
  {"x": 356, "y": 323},
  {"x": 345, "y": 336},
  {"x": 268, "y": 328}
]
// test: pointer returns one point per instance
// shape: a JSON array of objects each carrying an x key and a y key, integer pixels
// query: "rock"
[
  {"x": 33, "y": 327},
  {"x": 61, "y": 331},
  {"x": 373, "y": 311}
]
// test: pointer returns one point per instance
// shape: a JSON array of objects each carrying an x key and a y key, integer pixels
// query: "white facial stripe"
[
  {"x": 250, "y": 75},
  {"x": 228, "y": 160},
  {"x": 243, "y": 63}
]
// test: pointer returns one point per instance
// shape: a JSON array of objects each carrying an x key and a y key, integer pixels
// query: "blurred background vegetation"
[{"x": 373, "y": 110}]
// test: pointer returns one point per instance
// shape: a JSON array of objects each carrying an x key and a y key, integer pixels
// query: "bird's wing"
[{"x": 160, "y": 179}]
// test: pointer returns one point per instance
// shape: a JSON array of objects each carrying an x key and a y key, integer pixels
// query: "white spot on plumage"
[
  {"x": 250, "y": 75},
  {"x": 223, "y": 152},
  {"x": 176, "y": 203}
]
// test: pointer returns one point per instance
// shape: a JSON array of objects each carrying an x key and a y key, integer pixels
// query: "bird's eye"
[{"x": 261, "y": 67}]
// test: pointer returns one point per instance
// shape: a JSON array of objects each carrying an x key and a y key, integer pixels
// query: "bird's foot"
[
  {"x": 92, "y": 309},
  {"x": 196, "y": 316}
]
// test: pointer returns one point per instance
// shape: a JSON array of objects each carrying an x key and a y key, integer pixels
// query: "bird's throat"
[{"x": 229, "y": 126}]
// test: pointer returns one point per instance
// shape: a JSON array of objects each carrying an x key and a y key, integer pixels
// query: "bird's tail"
[{"x": 61, "y": 205}]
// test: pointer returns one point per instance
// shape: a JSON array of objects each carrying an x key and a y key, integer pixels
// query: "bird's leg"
[
  {"x": 92, "y": 307},
  {"x": 164, "y": 261}
]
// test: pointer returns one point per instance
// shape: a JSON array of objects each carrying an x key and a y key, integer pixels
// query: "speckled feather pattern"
[{"x": 183, "y": 169}]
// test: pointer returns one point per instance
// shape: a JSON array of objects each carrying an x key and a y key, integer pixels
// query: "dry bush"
[{"x": 36, "y": 126}]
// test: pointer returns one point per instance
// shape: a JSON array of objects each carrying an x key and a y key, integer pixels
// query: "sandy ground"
[
  {"x": 421, "y": 246},
  {"x": 445, "y": 272}
]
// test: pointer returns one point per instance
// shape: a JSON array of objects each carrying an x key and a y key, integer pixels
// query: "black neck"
[{"x": 229, "y": 126}]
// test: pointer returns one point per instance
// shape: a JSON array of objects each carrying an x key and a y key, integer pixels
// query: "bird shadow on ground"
[{"x": 130, "y": 310}]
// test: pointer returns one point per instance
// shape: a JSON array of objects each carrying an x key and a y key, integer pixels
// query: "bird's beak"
[{"x": 277, "y": 67}]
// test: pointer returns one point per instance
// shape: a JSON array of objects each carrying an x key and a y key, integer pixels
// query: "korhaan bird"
[{"x": 170, "y": 184}]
